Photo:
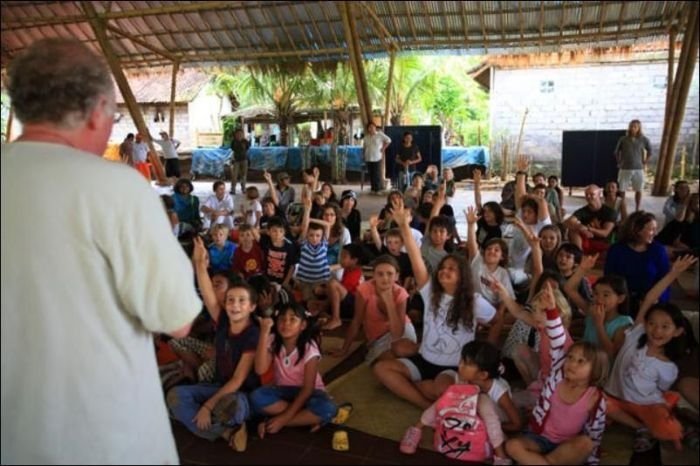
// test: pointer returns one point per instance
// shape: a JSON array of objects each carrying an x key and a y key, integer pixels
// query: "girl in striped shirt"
[{"x": 568, "y": 421}]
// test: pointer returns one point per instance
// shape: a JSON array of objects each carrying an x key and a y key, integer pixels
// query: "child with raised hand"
[
  {"x": 488, "y": 265},
  {"x": 606, "y": 314},
  {"x": 568, "y": 421},
  {"x": 222, "y": 250},
  {"x": 478, "y": 366},
  {"x": 438, "y": 232},
  {"x": 645, "y": 367},
  {"x": 490, "y": 222},
  {"x": 393, "y": 246},
  {"x": 221, "y": 409},
  {"x": 380, "y": 309},
  {"x": 313, "y": 269},
  {"x": 297, "y": 396},
  {"x": 534, "y": 365},
  {"x": 452, "y": 313}
]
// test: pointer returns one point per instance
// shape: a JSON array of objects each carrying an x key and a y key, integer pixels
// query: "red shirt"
[
  {"x": 351, "y": 279},
  {"x": 249, "y": 263}
]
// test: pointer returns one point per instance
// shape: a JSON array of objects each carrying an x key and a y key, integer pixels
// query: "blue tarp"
[
  {"x": 210, "y": 161},
  {"x": 453, "y": 157}
]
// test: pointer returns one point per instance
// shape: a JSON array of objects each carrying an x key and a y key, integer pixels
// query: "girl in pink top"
[
  {"x": 380, "y": 308},
  {"x": 298, "y": 396}
]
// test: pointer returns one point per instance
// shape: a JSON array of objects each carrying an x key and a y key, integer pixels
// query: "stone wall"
[{"x": 587, "y": 97}]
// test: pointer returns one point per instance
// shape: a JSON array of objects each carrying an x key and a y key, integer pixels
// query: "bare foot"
[
  {"x": 261, "y": 430},
  {"x": 332, "y": 324}
]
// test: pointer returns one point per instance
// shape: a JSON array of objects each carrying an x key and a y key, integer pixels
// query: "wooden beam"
[
  {"x": 389, "y": 83},
  {"x": 679, "y": 98},
  {"x": 443, "y": 10},
  {"x": 173, "y": 89},
  {"x": 561, "y": 23},
  {"x": 522, "y": 21},
  {"x": 331, "y": 27},
  {"x": 427, "y": 20},
  {"x": 395, "y": 22},
  {"x": 482, "y": 19},
  {"x": 407, "y": 5},
  {"x": 282, "y": 23},
  {"x": 465, "y": 24},
  {"x": 313, "y": 22},
  {"x": 302, "y": 29},
  {"x": 541, "y": 22},
  {"x": 380, "y": 25},
  {"x": 667, "y": 117},
  {"x": 141, "y": 42},
  {"x": 98, "y": 28},
  {"x": 619, "y": 22}
]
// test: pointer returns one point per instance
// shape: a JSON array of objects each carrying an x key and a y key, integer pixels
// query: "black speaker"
[
  {"x": 588, "y": 157},
  {"x": 427, "y": 138}
]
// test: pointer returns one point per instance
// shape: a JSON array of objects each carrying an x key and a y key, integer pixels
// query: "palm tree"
[
  {"x": 277, "y": 86},
  {"x": 411, "y": 76}
]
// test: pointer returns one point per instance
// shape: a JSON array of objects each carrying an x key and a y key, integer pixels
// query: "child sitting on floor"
[
  {"x": 222, "y": 250},
  {"x": 479, "y": 366},
  {"x": 341, "y": 293},
  {"x": 298, "y": 396}
]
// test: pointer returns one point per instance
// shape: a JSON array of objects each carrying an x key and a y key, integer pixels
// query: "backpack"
[{"x": 459, "y": 431}]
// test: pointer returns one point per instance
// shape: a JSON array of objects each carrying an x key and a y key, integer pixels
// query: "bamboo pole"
[
  {"x": 667, "y": 115},
  {"x": 520, "y": 136},
  {"x": 357, "y": 48},
  {"x": 353, "y": 64},
  {"x": 680, "y": 95},
  {"x": 387, "y": 107},
  {"x": 8, "y": 128},
  {"x": 113, "y": 61},
  {"x": 173, "y": 85}
]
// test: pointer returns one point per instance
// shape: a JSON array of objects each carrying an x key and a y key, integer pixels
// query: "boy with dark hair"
[
  {"x": 341, "y": 293},
  {"x": 281, "y": 254}
]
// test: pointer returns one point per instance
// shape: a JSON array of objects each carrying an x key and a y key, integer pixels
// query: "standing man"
[
  {"x": 172, "y": 161},
  {"x": 374, "y": 145},
  {"x": 239, "y": 165},
  {"x": 126, "y": 150},
  {"x": 83, "y": 293},
  {"x": 632, "y": 154}
]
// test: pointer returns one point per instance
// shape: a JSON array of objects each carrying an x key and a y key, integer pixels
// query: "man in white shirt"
[
  {"x": 140, "y": 150},
  {"x": 374, "y": 145},
  {"x": 82, "y": 293},
  {"x": 169, "y": 147}
]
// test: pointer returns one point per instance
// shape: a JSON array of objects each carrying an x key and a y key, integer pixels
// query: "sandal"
[{"x": 344, "y": 412}]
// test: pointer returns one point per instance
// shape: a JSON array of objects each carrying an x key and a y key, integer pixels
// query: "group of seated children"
[{"x": 434, "y": 313}]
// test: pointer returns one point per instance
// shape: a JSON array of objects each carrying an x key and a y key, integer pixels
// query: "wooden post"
[
  {"x": 357, "y": 48},
  {"x": 387, "y": 107},
  {"x": 173, "y": 84},
  {"x": 681, "y": 89},
  {"x": 98, "y": 28},
  {"x": 667, "y": 115},
  {"x": 8, "y": 128}
]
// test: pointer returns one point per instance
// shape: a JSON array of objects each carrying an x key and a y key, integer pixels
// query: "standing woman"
[{"x": 632, "y": 153}]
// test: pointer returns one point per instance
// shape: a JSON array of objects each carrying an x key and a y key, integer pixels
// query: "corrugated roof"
[{"x": 154, "y": 33}]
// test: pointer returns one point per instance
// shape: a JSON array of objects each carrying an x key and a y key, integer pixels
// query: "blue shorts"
[
  {"x": 546, "y": 446},
  {"x": 319, "y": 403}
]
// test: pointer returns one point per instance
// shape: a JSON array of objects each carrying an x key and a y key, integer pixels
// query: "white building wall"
[{"x": 588, "y": 97}]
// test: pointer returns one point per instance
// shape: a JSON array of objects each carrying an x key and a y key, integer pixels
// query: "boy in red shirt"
[
  {"x": 248, "y": 260},
  {"x": 342, "y": 293}
]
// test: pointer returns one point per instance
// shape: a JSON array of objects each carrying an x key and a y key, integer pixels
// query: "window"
[{"x": 546, "y": 87}]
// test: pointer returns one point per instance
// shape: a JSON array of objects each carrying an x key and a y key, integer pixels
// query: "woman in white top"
[{"x": 218, "y": 208}]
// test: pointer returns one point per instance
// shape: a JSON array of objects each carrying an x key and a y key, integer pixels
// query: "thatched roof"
[
  {"x": 152, "y": 88},
  {"x": 154, "y": 33}
]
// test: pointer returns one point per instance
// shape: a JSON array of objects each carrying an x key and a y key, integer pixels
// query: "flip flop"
[{"x": 344, "y": 412}]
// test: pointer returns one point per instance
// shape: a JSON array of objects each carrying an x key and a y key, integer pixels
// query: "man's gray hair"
[{"x": 57, "y": 81}]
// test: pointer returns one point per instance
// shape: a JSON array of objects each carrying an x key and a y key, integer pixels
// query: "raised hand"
[
  {"x": 588, "y": 262},
  {"x": 266, "y": 324},
  {"x": 682, "y": 264},
  {"x": 471, "y": 215},
  {"x": 373, "y": 221},
  {"x": 476, "y": 175},
  {"x": 522, "y": 162},
  {"x": 267, "y": 176},
  {"x": 199, "y": 253},
  {"x": 547, "y": 297},
  {"x": 316, "y": 172},
  {"x": 499, "y": 289}
]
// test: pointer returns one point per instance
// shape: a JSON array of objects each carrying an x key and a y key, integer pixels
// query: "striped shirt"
[
  {"x": 313, "y": 263},
  {"x": 595, "y": 426}
]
